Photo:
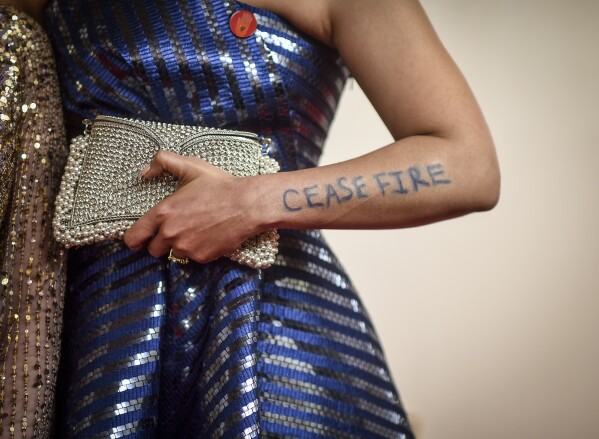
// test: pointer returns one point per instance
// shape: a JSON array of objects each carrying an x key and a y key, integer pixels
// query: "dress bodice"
[{"x": 179, "y": 62}]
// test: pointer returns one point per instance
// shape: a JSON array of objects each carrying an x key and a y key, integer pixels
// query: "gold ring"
[{"x": 173, "y": 258}]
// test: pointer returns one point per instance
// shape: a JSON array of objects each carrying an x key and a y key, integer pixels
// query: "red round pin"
[{"x": 243, "y": 24}]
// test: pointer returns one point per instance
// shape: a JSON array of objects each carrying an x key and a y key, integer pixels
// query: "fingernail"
[
  {"x": 134, "y": 248},
  {"x": 144, "y": 171}
]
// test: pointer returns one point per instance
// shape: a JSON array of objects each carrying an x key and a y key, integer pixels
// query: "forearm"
[{"x": 413, "y": 181}]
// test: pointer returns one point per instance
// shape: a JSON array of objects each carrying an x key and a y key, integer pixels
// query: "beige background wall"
[{"x": 491, "y": 322}]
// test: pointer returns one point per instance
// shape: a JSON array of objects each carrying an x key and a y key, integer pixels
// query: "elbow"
[
  {"x": 478, "y": 175},
  {"x": 490, "y": 197},
  {"x": 488, "y": 187}
]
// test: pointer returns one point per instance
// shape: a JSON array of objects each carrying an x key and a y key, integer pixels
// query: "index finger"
[{"x": 167, "y": 161}]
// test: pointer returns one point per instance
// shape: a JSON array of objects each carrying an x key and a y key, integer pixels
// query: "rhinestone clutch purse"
[{"x": 102, "y": 194}]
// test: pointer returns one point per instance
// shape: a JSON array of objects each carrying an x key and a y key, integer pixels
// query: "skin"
[{"x": 396, "y": 57}]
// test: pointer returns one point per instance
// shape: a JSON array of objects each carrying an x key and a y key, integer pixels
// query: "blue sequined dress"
[{"x": 160, "y": 350}]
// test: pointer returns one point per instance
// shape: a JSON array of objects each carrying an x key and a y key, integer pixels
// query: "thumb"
[{"x": 166, "y": 161}]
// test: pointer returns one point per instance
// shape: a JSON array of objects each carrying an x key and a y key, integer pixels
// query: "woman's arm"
[
  {"x": 441, "y": 165},
  {"x": 32, "y": 265}
]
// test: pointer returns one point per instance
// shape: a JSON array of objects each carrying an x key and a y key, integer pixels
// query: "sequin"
[
  {"x": 215, "y": 350},
  {"x": 32, "y": 267}
]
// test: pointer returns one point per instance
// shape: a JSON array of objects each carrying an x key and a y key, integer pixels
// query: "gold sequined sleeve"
[
  {"x": 9, "y": 118},
  {"x": 32, "y": 265}
]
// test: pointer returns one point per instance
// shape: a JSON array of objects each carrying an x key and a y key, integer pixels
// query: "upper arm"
[{"x": 396, "y": 57}]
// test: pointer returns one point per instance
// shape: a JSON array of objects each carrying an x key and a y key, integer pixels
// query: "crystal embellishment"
[{"x": 102, "y": 194}]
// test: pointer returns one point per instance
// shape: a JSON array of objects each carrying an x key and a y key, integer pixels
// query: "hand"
[{"x": 206, "y": 218}]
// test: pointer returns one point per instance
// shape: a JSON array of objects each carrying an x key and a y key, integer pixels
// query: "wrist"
[{"x": 259, "y": 202}]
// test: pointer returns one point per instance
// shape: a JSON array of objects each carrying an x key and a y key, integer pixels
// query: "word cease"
[{"x": 395, "y": 183}]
